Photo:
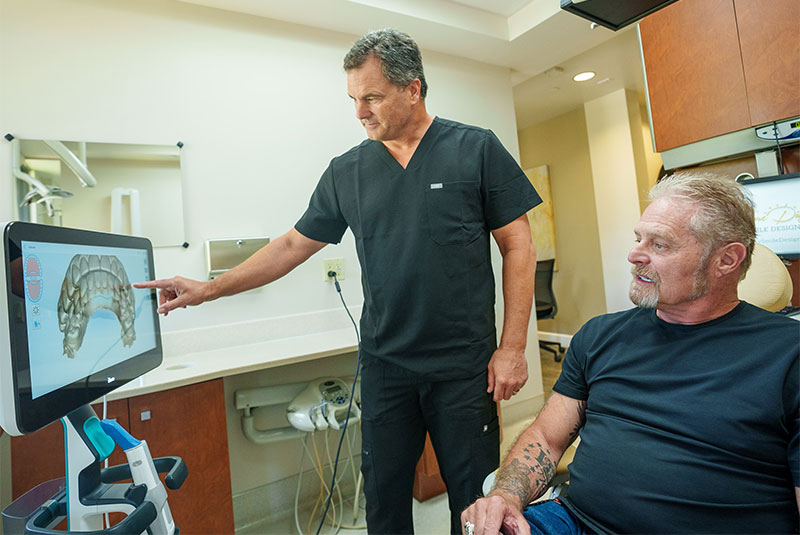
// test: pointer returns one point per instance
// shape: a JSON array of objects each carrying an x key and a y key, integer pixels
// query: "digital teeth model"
[{"x": 93, "y": 282}]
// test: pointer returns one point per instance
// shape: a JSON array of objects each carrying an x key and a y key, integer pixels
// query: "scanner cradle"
[{"x": 72, "y": 329}]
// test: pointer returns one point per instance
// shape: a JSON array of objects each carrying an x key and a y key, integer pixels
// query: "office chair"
[{"x": 546, "y": 306}]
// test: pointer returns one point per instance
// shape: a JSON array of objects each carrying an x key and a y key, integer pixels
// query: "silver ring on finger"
[{"x": 469, "y": 528}]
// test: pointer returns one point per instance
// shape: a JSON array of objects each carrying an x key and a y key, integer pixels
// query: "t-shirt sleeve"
[
  {"x": 323, "y": 220},
  {"x": 507, "y": 191},
  {"x": 572, "y": 381}
]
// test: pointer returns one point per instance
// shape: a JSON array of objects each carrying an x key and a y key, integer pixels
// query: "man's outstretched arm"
[
  {"x": 269, "y": 263},
  {"x": 528, "y": 468}
]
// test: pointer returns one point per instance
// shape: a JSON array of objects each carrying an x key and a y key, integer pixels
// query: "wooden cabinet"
[
  {"x": 718, "y": 66},
  {"x": 694, "y": 72},
  {"x": 427, "y": 479},
  {"x": 188, "y": 422},
  {"x": 769, "y": 34}
]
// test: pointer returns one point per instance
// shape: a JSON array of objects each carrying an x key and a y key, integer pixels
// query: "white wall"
[
  {"x": 562, "y": 143},
  {"x": 260, "y": 105},
  {"x": 615, "y": 189}
]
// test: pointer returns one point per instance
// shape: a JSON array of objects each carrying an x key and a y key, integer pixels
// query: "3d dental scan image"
[
  {"x": 84, "y": 316},
  {"x": 92, "y": 283}
]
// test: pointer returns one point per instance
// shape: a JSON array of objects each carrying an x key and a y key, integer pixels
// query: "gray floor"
[{"x": 431, "y": 517}]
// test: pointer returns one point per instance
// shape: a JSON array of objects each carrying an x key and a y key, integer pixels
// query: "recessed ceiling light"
[{"x": 583, "y": 76}]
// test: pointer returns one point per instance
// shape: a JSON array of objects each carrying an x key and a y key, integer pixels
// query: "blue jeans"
[{"x": 552, "y": 518}]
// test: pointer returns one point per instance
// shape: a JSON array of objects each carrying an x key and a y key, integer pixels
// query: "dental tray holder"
[{"x": 89, "y": 491}]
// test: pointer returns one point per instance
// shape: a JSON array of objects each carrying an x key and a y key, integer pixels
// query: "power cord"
[
  {"x": 349, "y": 406},
  {"x": 778, "y": 143}
]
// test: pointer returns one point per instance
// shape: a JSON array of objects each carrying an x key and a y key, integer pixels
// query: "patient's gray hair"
[
  {"x": 400, "y": 57},
  {"x": 725, "y": 213}
]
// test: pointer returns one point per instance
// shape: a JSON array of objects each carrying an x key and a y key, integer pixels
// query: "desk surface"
[{"x": 189, "y": 368}]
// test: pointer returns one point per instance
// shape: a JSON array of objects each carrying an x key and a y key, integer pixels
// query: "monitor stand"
[
  {"x": 88, "y": 497},
  {"x": 90, "y": 492}
]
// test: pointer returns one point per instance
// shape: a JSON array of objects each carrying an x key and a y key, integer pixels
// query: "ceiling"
[
  {"x": 500, "y": 7},
  {"x": 530, "y": 37}
]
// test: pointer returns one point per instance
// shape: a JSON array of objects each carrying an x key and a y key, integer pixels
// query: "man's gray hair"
[
  {"x": 725, "y": 211},
  {"x": 399, "y": 55}
]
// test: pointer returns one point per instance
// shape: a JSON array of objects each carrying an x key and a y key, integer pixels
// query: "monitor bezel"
[{"x": 30, "y": 413}]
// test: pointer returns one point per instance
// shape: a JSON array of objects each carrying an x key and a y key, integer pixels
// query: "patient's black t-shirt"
[{"x": 689, "y": 428}]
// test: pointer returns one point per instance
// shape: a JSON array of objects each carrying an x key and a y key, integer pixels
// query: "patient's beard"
[{"x": 644, "y": 295}]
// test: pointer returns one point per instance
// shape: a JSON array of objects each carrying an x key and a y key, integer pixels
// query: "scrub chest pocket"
[{"x": 455, "y": 212}]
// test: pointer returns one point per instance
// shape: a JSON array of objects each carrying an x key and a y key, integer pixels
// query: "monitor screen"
[
  {"x": 777, "y": 211},
  {"x": 77, "y": 328}
]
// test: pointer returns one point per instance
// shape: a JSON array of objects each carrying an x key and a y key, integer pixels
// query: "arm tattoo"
[
  {"x": 527, "y": 477},
  {"x": 579, "y": 424}
]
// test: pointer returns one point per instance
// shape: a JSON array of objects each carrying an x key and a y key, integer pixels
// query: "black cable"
[
  {"x": 349, "y": 406},
  {"x": 778, "y": 143},
  {"x": 339, "y": 289}
]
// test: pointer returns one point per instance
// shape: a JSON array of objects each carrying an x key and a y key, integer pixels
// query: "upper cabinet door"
[
  {"x": 694, "y": 71},
  {"x": 769, "y": 34}
]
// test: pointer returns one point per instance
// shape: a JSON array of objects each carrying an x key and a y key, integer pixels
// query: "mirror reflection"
[{"x": 111, "y": 187}]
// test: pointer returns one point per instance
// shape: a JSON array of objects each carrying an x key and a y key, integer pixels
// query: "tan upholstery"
[
  {"x": 767, "y": 284},
  {"x": 569, "y": 454}
]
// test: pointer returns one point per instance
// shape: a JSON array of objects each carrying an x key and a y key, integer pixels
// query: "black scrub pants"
[{"x": 398, "y": 407}]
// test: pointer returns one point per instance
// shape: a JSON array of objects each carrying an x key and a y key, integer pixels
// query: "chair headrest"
[{"x": 768, "y": 284}]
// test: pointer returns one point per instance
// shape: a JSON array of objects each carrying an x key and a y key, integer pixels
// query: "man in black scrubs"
[{"x": 421, "y": 197}]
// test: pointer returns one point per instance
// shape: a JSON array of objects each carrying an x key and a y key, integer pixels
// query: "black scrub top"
[{"x": 422, "y": 238}]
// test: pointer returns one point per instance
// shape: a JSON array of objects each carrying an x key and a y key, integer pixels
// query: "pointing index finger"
[{"x": 160, "y": 283}]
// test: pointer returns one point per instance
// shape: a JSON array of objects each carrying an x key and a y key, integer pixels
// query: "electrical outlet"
[{"x": 333, "y": 264}]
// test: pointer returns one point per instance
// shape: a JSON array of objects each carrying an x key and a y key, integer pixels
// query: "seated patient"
[{"x": 687, "y": 405}]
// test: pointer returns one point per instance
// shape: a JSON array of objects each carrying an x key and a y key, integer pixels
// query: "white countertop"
[{"x": 189, "y": 368}]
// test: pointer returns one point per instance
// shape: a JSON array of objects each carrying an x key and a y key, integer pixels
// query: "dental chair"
[{"x": 768, "y": 284}]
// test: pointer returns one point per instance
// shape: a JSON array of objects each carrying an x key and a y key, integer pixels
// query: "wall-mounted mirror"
[{"x": 111, "y": 187}]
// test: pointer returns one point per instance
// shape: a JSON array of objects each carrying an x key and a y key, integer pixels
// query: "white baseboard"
[{"x": 563, "y": 339}]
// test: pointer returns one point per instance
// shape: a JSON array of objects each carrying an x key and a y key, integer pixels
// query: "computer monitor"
[
  {"x": 777, "y": 211},
  {"x": 72, "y": 328},
  {"x": 613, "y": 14}
]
